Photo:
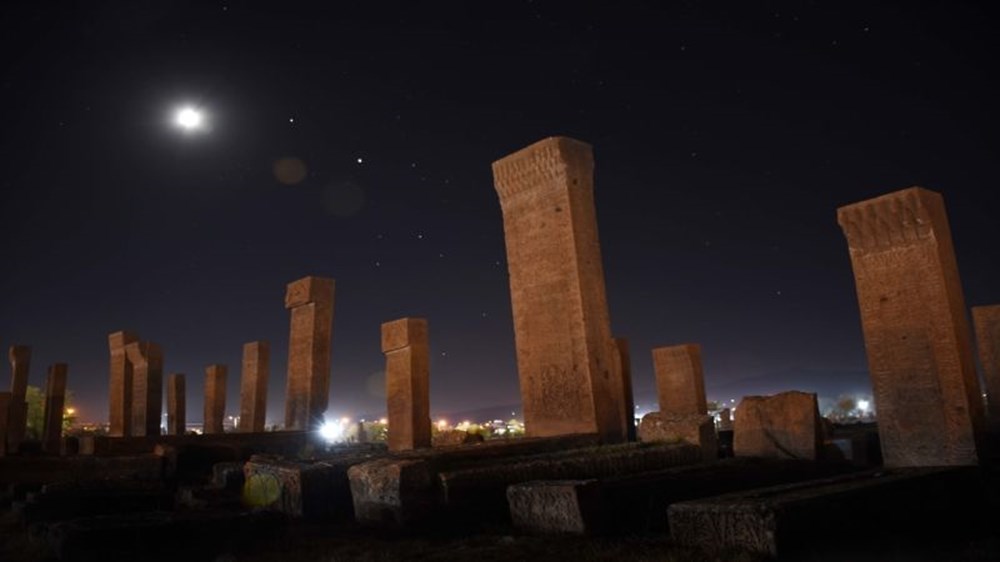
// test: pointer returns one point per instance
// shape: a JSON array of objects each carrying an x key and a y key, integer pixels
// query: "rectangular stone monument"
[
  {"x": 253, "y": 386},
  {"x": 565, "y": 353},
  {"x": 5, "y": 400},
  {"x": 987, "y": 323},
  {"x": 784, "y": 426},
  {"x": 624, "y": 361},
  {"x": 215, "y": 398},
  {"x": 308, "y": 383},
  {"x": 176, "y": 405},
  {"x": 120, "y": 385},
  {"x": 407, "y": 383},
  {"x": 55, "y": 400},
  {"x": 17, "y": 413},
  {"x": 917, "y": 336},
  {"x": 146, "y": 361},
  {"x": 680, "y": 383}
]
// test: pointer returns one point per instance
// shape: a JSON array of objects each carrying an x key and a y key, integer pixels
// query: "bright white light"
[
  {"x": 863, "y": 405},
  {"x": 189, "y": 119},
  {"x": 332, "y": 431}
]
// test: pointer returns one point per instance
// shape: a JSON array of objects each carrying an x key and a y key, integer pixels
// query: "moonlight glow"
[{"x": 189, "y": 119}]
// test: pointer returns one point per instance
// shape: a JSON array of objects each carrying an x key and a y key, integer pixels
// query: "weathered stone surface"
[
  {"x": 480, "y": 491},
  {"x": 555, "y": 506},
  {"x": 698, "y": 430},
  {"x": 17, "y": 412},
  {"x": 391, "y": 491},
  {"x": 215, "y": 398},
  {"x": 680, "y": 384},
  {"x": 917, "y": 335},
  {"x": 637, "y": 503},
  {"x": 146, "y": 360},
  {"x": 176, "y": 405},
  {"x": 307, "y": 389},
  {"x": 565, "y": 353},
  {"x": 55, "y": 399},
  {"x": 383, "y": 486},
  {"x": 253, "y": 386},
  {"x": 786, "y": 425},
  {"x": 816, "y": 515},
  {"x": 623, "y": 360},
  {"x": 120, "y": 385},
  {"x": 407, "y": 383},
  {"x": 986, "y": 320},
  {"x": 314, "y": 489},
  {"x": 4, "y": 415}
]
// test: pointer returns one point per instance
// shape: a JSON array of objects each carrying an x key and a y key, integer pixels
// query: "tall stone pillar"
[
  {"x": 146, "y": 360},
  {"x": 120, "y": 385},
  {"x": 176, "y": 405},
  {"x": 917, "y": 338},
  {"x": 215, "y": 398},
  {"x": 308, "y": 383},
  {"x": 680, "y": 382},
  {"x": 55, "y": 401},
  {"x": 17, "y": 412},
  {"x": 5, "y": 400},
  {"x": 565, "y": 354},
  {"x": 407, "y": 382},
  {"x": 987, "y": 323},
  {"x": 253, "y": 386},
  {"x": 624, "y": 360}
]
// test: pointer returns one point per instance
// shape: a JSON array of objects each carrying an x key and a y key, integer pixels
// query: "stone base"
[
  {"x": 556, "y": 506},
  {"x": 817, "y": 515},
  {"x": 391, "y": 492},
  {"x": 657, "y": 427}
]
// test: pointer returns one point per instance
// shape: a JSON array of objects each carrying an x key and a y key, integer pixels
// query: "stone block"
[
  {"x": 17, "y": 413},
  {"x": 697, "y": 430},
  {"x": 407, "y": 382},
  {"x": 391, "y": 491},
  {"x": 568, "y": 377},
  {"x": 680, "y": 383},
  {"x": 307, "y": 386},
  {"x": 253, "y": 386},
  {"x": 146, "y": 361},
  {"x": 55, "y": 399},
  {"x": 637, "y": 503},
  {"x": 120, "y": 385},
  {"x": 786, "y": 425},
  {"x": 215, "y": 398},
  {"x": 916, "y": 329},
  {"x": 176, "y": 405},
  {"x": 812, "y": 518},
  {"x": 4, "y": 416}
]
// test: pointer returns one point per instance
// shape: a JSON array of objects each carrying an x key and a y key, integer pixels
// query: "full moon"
[{"x": 189, "y": 118}]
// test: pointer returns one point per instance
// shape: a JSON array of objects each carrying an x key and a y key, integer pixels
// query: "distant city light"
[
  {"x": 863, "y": 406},
  {"x": 333, "y": 430}
]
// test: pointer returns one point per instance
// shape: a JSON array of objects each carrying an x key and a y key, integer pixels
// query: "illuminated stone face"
[
  {"x": 570, "y": 371},
  {"x": 253, "y": 386},
  {"x": 916, "y": 333},
  {"x": 307, "y": 389},
  {"x": 407, "y": 381}
]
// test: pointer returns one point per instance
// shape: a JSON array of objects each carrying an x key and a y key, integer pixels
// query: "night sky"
[{"x": 725, "y": 137}]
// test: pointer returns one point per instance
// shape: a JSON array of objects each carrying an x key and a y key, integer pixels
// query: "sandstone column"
[
  {"x": 17, "y": 413},
  {"x": 680, "y": 383},
  {"x": 407, "y": 385},
  {"x": 146, "y": 360},
  {"x": 52, "y": 417},
  {"x": 562, "y": 332},
  {"x": 120, "y": 385},
  {"x": 624, "y": 362},
  {"x": 215, "y": 398},
  {"x": 987, "y": 324},
  {"x": 917, "y": 338},
  {"x": 5, "y": 400},
  {"x": 176, "y": 405},
  {"x": 253, "y": 386},
  {"x": 308, "y": 383}
]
